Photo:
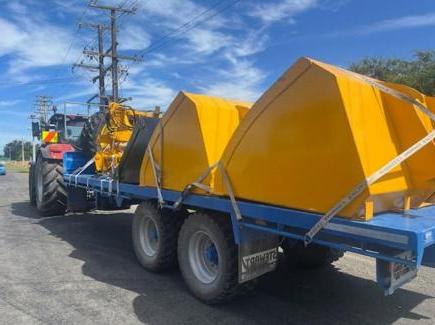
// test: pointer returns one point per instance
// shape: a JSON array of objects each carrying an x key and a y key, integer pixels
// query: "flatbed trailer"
[{"x": 401, "y": 242}]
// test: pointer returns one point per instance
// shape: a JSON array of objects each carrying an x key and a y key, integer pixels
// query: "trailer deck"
[{"x": 405, "y": 239}]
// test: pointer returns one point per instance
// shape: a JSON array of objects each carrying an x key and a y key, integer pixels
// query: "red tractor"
[{"x": 58, "y": 135}]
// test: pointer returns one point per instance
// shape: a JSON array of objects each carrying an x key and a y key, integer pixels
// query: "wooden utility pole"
[
  {"x": 111, "y": 53},
  {"x": 42, "y": 105},
  {"x": 22, "y": 150},
  {"x": 100, "y": 67}
]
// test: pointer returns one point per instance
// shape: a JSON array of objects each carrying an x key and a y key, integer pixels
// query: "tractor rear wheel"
[
  {"x": 88, "y": 137},
  {"x": 32, "y": 194},
  {"x": 50, "y": 191}
]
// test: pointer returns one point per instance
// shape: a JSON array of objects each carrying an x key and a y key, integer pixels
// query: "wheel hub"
[
  {"x": 203, "y": 257},
  {"x": 149, "y": 237}
]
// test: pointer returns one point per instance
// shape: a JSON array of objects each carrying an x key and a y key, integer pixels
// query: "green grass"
[{"x": 17, "y": 167}]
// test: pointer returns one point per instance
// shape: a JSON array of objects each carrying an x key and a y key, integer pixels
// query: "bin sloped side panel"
[
  {"x": 409, "y": 125},
  {"x": 312, "y": 137},
  {"x": 295, "y": 147},
  {"x": 410, "y": 184},
  {"x": 193, "y": 134}
]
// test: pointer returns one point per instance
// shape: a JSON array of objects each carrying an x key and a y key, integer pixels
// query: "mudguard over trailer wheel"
[
  {"x": 310, "y": 257},
  {"x": 207, "y": 256},
  {"x": 155, "y": 234},
  {"x": 50, "y": 192}
]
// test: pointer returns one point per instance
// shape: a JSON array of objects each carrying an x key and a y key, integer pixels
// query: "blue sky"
[{"x": 238, "y": 53}]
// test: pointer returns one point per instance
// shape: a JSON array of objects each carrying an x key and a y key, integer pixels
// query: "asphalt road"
[{"x": 80, "y": 269}]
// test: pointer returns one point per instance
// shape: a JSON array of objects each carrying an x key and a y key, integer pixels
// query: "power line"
[
  {"x": 74, "y": 37},
  {"x": 175, "y": 31}
]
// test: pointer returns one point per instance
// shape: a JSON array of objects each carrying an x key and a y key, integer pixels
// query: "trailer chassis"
[{"x": 400, "y": 242}]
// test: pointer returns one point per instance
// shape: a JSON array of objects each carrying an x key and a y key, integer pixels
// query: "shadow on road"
[{"x": 103, "y": 243}]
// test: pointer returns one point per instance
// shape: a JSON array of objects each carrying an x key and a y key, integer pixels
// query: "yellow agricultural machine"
[
  {"x": 114, "y": 133},
  {"x": 325, "y": 161}
]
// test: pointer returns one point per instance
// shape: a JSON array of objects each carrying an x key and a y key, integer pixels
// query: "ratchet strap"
[
  {"x": 230, "y": 192},
  {"x": 80, "y": 170},
  {"x": 198, "y": 184},
  {"x": 156, "y": 173}
]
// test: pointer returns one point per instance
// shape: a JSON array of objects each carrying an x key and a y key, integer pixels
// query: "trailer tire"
[
  {"x": 32, "y": 194},
  {"x": 155, "y": 233},
  {"x": 50, "y": 191},
  {"x": 310, "y": 257},
  {"x": 207, "y": 256}
]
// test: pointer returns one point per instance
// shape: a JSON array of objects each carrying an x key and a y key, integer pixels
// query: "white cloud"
[
  {"x": 399, "y": 23},
  {"x": 9, "y": 103},
  {"x": 184, "y": 23},
  {"x": 133, "y": 37},
  {"x": 388, "y": 25},
  {"x": 32, "y": 43},
  {"x": 148, "y": 92},
  {"x": 253, "y": 43},
  {"x": 217, "y": 55},
  {"x": 270, "y": 12},
  {"x": 205, "y": 41},
  {"x": 221, "y": 41},
  {"x": 241, "y": 81},
  {"x": 87, "y": 91},
  {"x": 12, "y": 37},
  {"x": 176, "y": 12}
]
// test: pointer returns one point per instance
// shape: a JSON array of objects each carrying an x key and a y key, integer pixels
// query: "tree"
[
  {"x": 13, "y": 150},
  {"x": 418, "y": 73}
]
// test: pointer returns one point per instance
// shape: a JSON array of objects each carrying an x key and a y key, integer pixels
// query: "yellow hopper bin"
[
  {"x": 317, "y": 133},
  {"x": 193, "y": 134}
]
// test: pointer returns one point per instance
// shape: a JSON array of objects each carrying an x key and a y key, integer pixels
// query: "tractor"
[
  {"x": 102, "y": 137},
  {"x": 58, "y": 134}
]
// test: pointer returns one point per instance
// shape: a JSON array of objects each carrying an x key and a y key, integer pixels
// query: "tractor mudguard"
[{"x": 55, "y": 150}]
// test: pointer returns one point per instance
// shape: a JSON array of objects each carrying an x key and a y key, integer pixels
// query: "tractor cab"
[{"x": 67, "y": 127}]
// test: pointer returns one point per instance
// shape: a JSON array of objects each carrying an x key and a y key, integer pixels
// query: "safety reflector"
[{"x": 49, "y": 136}]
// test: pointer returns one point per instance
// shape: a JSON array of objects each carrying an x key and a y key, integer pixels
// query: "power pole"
[
  {"x": 22, "y": 150},
  {"x": 43, "y": 104},
  {"x": 114, "y": 55},
  {"x": 100, "y": 67},
  {"x": 101, "y": 75},
  {"x": 111, "y": 53}
]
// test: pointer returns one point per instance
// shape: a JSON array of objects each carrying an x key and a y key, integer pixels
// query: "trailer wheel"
[
  {"x": 207, "y": 256},
  {"x": 312, "y": 256},
  {"x": 50, "y": 192},
  {"x": 155, "y": 233},
  {"x": 32, "y": 194}
]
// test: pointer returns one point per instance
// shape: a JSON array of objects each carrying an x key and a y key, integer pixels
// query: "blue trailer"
[{"x": 221, "y": 251}]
